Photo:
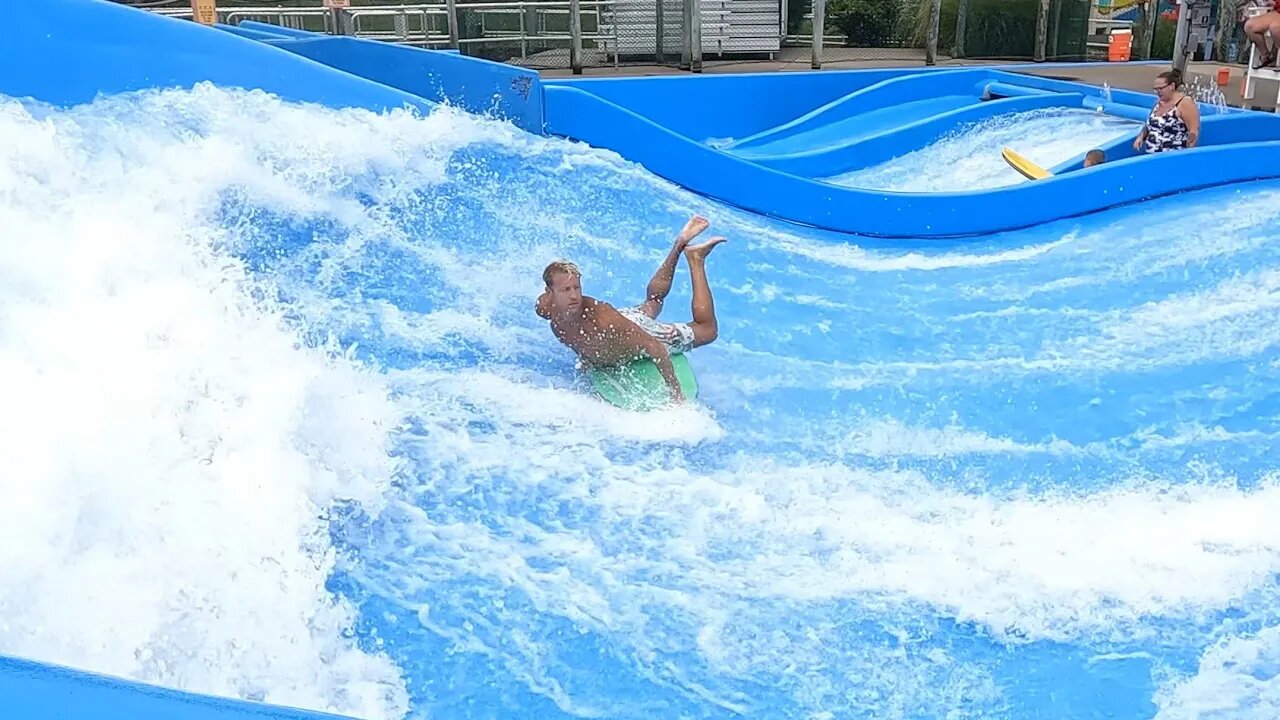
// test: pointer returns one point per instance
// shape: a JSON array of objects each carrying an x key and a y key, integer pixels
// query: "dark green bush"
[
  {"x": 865, "y": 23},
  {"x": 993, "y": 28},
  {"x": 1162, "y": 43}
]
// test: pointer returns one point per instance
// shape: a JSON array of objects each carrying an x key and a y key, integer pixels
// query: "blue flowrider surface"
[{"x": 284, "y": 434}]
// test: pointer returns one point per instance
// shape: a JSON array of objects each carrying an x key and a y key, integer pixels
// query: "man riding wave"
[{"x": 602, "y": 335}]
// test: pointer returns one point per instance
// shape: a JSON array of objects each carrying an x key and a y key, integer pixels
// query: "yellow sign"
[{"x": 204, "y": 12}]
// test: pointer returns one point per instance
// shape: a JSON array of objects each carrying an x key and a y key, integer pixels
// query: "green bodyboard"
[{"x": 639, "y": 385}]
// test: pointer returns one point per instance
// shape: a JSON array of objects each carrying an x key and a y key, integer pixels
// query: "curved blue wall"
[
  {"x": 733, "y": 105},
  {"x": 835, "y": 156},
  {"x": 479, "y": 86},
  {"x": 36, "y": 691},
  {"x": 893, "y": 94},
  {"x": 67, "y": 52},
  {"x": 1216, "y": 130},
  {"x": 741, "y": 104},
  {"x": 725, "y": 177},
  {"x": 622, "y": 118}
]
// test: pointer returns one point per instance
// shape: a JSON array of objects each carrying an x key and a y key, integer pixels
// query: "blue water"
[{"x": 1020, "y": 476}]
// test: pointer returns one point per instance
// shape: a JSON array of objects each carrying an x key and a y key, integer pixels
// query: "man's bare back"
[{"x": 601, "y": 335}]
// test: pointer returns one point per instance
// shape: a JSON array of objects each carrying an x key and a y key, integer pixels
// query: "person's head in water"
[
  {"x": 564, "y": 284},
  {"x": 1167, "y": 83},
  {"x": 1094, "y": 157}
]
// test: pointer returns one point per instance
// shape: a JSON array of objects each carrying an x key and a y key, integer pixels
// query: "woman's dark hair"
[{"x": 1172, "y": 76}]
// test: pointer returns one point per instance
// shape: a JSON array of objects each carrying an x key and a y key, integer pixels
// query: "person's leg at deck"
[{"x": 1255, "y": 28}]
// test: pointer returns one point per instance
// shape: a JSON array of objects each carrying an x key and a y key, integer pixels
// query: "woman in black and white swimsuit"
[{"x": 1174, "y": 123}]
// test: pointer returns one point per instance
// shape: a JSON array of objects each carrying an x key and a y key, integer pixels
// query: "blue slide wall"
[
  {"x": 894, "y": 101},
  {"x": 731, "y": 179},
  {"x": 741, "y": 104},
  {"x": 66, "y": 52},
  {"x": 731, "y": 105},
  {"x": 36, "y": 691},
  {"x": 478, "y": 86},
  {"x": 634, "y": 121},
  {"x": 836, "y": 155}
]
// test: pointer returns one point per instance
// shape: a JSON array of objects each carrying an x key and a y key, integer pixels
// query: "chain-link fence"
[
  {"x": 539, "y": 34},
  {"x": 910, "y": 31},
  {"x": 577, "y": 34},
  {"x": 859, "y": 30}
]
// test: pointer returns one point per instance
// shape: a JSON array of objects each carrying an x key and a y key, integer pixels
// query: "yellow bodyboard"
[{"x": 1029, "y": 170}]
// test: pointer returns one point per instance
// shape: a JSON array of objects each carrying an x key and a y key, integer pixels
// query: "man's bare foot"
[
  {"x": 692, "y": 229},
  {"x": 699, "y": 252}
]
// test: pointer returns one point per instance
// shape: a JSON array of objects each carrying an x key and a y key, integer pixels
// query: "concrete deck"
[
  {"x": 1130, "y": 76},
  {"x": 1138, "y": 77}
]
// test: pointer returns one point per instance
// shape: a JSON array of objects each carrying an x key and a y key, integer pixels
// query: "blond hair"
[{"x": 560, "y": 266}]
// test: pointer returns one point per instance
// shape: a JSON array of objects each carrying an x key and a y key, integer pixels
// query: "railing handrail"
[
  {"x": 423, "y": 32},
  {"x": 396, "y": 9}
]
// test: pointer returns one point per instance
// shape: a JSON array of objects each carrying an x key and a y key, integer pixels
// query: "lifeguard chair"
[{"x": 1252, "y": 75}]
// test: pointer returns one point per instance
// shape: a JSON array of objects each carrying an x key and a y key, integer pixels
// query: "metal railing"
[
  {"x": 542, "y": 30},
  {"x": 547, "y": 34},
  {"x": 423, "y": 25},
  {"x": 890, "y": 35}
]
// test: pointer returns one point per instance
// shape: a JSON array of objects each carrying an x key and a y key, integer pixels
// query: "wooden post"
[
  {"x": 686, "y": 35},
  {"x": 819, "y": 31},
  {"x": 1042, "y": 30},
  {"x": 338, "y": 14},
  {"x": 204, "y": 12},
  {"x": 451, "y": 7},
  {"x": 659, "y": 57},
  {"x": 1057, "y": 29},
  {"x": 931, "y": 46},
  {"x": 575, "y": 36},
  {"x": 691, "y": 52},
  {"x": 695, "y": 35}
]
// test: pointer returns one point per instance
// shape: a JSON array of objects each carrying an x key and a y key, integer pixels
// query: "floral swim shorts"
[{"x": 678, "y": 337}]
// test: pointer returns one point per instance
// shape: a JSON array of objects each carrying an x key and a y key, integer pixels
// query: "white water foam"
[
  {"x": 1015, "y": 564},
  {"x": 853, "y": 257},
  {"x": 969, "y": 158},
  {"x": 755, "y": 559},
  {"x": 890, "y": 438},
  {"x": 204, "y": 445},
  {"x": 172, "y": 449},
  {"x": 1238, "y": 677},
  {"x": 1236, "y": 318}
]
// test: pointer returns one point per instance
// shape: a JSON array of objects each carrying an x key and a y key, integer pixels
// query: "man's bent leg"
[
  {"x": 705, "y": 327},
  {"x": 1273, "y": 26},
  {"x": 660, "y": 284},
  {"x": 1255, "y": 29}
]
